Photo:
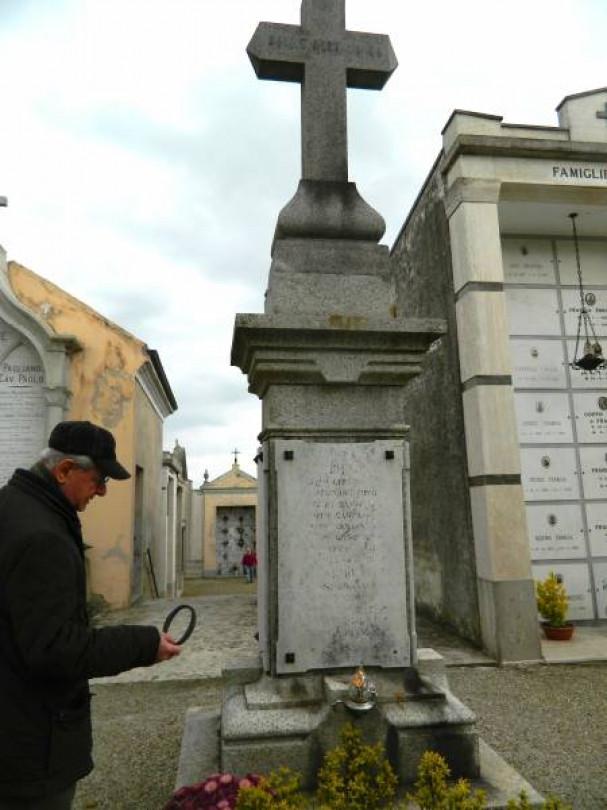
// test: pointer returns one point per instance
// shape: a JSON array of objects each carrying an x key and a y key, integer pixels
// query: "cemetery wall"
[{"x": 444, "y": 557}]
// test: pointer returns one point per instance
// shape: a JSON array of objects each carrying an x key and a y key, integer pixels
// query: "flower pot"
[{"x": 558, "y": 633}]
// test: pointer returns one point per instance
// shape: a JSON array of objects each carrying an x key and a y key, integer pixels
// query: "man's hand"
[{"x": 167, "y": 648}]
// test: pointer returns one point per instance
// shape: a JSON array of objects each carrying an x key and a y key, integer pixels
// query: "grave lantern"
[{"x": 592, "y": 358}]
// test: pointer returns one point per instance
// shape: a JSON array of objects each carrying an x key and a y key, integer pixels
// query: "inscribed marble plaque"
[
  {"x": 599, "y": 570},
  {"x": 549, "y": 474},
  {"x": 537, "y": 363},
  {"x": 341, "y": 555},
  {"x": 593, "y": 260},
  {"x": 596, "y": 517},
  {"x": 591, "y": 417},
  {"x": 596, "y": 304},
  {"x": 528, "y": 261},
  {"x": 555, "y": 531},
  {"x": 22, "y": 403},
  {"x": 576, "y": 578},
  {"x": 533, "y": 312},
  {"x": 585, "y": 379},
  {"x": 593, "y": 461},
  {"x": 543, "y": 418}
]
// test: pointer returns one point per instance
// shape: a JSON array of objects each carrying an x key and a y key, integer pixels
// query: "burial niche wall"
[
  {"x": 22, "y": 402},
  {"x": 234, "y": 532},
  {"x": 561, "y": 412}
]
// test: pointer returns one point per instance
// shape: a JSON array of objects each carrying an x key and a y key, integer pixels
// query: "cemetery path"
[{"x": 547, "y": 721}]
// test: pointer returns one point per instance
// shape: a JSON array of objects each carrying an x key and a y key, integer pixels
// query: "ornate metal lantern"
[{"x": 592, "y": 358}]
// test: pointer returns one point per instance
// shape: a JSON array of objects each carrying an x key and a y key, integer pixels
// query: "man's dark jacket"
[{"x": 47, "y": 649}]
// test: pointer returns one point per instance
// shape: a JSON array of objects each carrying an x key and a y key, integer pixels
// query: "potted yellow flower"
[{"x": 552, "y": 603}]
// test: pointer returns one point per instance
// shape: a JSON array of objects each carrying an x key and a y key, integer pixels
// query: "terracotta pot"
[{"x": 558, "y": 633}]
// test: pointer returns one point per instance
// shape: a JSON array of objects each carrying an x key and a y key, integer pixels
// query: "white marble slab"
[
  {"x": 591, "y": 417},
  {"x": 538, "y": 363},
  {"x": 576, "y": 578},
  {"x": 596, "y": 516},
  {"x": 342, "y": 587},
  {"x": 549, "y": 474},
  {"x": 543, "y": 418},
  {"x": 22, "y": 403},
  {"x": 593, "y": 260},
  {"x": 533, "y": 312},
  {"x": 556, "y": 532},
  {"x": 593, "y": 461},
  {"x": 600, "y": 583},
  {"x": 596, "y": 304},
  {"x": 586, "y": 379},
  {"x": 528, "y": 261}
]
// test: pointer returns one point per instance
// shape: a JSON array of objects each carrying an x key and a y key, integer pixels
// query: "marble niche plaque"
[
  {"x": 599, "y": 570},
  {"x": 549, "y": 474},
  {"x": 586, "y": 379},
  {"x": 596, "y": 302},
  {"x": 593, "y": 461},
  {"x": 576, "y": 578},
  {"x": 22, "y": 403},
  {"x": 537, "y": 363},
  {"x": 593, "y": 260},
  {"x": 596, "y": 516},
  {"x": 533, "y": 312},
  {"x": 591, "y": 417},
  {"x": 342, "y": 593},
  {"x": 555, "y": 531},
  {"x": 543, "y": 418},
  {"x": 528, "y": 261}
]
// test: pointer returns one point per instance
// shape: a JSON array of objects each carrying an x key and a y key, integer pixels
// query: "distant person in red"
[
  {"x": 254, "y": 563},
  {"x": 247, "y": 565}
]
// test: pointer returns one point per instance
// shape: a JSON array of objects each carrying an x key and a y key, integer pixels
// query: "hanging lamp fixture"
[{"x": 592, "y": 357}]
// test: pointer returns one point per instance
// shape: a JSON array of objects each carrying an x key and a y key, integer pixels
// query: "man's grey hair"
[{"x": 51, "y": 458}]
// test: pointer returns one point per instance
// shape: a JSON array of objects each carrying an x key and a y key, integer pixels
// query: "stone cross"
[
  {"x": 325, "y": 58},
  {"x": 602, "y": 113},
  {"x": 236, "y": 454}
]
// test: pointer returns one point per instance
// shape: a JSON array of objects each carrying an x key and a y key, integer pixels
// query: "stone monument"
[{"x": 329, "y": 359}]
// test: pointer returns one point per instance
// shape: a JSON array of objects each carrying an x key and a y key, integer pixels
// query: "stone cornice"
[
  {"x": 276, "y": 350},
  {"x": 154, "y": 390},
  {"x": 550, "y": 149}
]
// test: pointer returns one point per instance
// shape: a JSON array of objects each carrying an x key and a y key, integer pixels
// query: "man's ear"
[{"x": 62, "y": 470}]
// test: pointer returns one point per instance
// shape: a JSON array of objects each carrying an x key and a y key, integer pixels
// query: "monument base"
[{"x": 293, "y": 721}]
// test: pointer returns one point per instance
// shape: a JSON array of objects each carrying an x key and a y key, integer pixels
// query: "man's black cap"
[{"x": 87, "y": 439}]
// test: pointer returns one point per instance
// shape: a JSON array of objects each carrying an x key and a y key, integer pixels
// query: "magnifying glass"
[{"x": 189, "y": 629}]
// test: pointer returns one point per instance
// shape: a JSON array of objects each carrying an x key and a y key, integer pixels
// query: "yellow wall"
[
  {"x": 103, "y": 390},
  {"x": 148, "y": 454}
]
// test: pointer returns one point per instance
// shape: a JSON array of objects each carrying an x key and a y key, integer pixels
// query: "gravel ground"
[{"x": 547, "y": 721}]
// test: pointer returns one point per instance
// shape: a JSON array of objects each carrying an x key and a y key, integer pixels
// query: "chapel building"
[
  {"x": 59, "y": 360},
  {"x": 224, "y": 518}
]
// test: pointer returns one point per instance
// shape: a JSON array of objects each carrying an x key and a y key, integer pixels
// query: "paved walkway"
[{"x": 227, "y": 623}]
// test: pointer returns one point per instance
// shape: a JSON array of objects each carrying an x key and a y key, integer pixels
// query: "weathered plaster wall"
[
  {"x": 102, "y": 387},
  {"x": 445, "y": 568},
  {"x": 148, "y": 452}
]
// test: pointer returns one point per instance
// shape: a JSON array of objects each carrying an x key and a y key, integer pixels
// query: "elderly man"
[{"x": 47, "y": 648}]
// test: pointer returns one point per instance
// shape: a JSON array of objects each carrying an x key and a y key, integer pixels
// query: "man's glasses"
[{"x": 102, "y": 480}]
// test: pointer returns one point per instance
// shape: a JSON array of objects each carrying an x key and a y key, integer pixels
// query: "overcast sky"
[{"x": 145, "y": 164}]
